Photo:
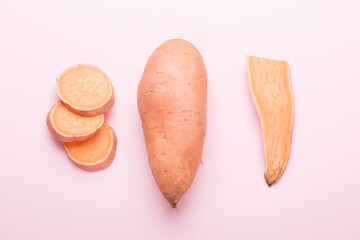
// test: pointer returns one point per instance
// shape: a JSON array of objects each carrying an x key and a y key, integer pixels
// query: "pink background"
[{"x": 44, "y": 196}]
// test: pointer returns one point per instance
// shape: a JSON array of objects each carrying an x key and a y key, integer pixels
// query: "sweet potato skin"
[
  {"x": 172, "y": 106},
  {"x": 101, "y": 165},
  {"x": 62, "y": 138}
]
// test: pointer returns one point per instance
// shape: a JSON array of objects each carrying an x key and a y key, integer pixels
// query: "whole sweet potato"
[{"x": 172, "y": 107}]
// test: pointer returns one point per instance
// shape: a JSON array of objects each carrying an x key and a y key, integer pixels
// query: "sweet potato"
[
  {"x": 86, "y": 90},
  {"x": 172, "y": 106},
  {"x": 271, "y": 90},
  {"x": 67, "y": 126},
  {"x": 95, "y": 153}
]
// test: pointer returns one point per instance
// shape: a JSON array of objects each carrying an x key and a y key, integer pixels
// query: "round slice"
[
  {"x": 67, "y": 126},
  {"x": 86, "y": 90},
  {"x": 95, "y": 153}
]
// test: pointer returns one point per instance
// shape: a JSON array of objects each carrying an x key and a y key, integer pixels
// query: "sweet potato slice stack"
[
  {"x": 86, "y": 93},
  {"x": 271, "y": 90}
]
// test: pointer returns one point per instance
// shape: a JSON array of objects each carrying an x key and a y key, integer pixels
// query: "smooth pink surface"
[{"x": 44, "y": 196}]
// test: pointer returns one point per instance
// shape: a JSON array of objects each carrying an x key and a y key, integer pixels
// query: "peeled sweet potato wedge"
[
  {"x": 271, "y": 90},
  {"x": 86, "y": 90},
  {"x": 67, "y": 126},
  {"x": 95, "y": 153}
]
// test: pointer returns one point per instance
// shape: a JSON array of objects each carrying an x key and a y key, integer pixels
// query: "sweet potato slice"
[
  {"x": 271, "y": 90},
  {"x": 67, "y": 126},
  {"x": 95, "y": 153},
  {"x": 86, "y": 90}
]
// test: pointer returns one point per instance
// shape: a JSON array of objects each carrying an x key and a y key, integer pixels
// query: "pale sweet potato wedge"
[
  {"x": 271, "y": 90},
  {"x": 86, "y": 90},
  {"x": 95, "y": 153},
  {"x": 67, "y": 126}
]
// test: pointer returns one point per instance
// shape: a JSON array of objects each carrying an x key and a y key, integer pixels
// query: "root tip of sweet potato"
[
  {"x": 173, "y": 204},
  {"x": 270, "y": 181},
  {"x": 273, "y": 176}
]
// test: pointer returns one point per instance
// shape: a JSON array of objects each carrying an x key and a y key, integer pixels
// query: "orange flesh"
[
  {"x": 271, "y": 90},
  {"x": 93, "y": 150},
  {"x": 84, "y": 87},
  {"x": 68, "y": 123}
]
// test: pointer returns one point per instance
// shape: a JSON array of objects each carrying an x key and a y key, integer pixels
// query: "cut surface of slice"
[
  {"x": 86, "y": 90},
  {"x": 271, "y": 90},
  {"x": 67, "y": 126},
  {"x": 95, "y": 153}
]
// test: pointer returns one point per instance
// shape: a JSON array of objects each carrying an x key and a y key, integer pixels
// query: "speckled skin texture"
[{"x": 172, "y": 106}]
